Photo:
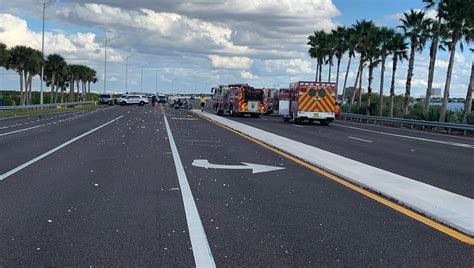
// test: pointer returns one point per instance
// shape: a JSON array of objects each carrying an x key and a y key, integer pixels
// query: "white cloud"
[
  {"x": 230, "y": 62},
  {"x": 291, "y": 67},
  {"x": 247, "y": 75},
  {"x": 83, "y": 46}
]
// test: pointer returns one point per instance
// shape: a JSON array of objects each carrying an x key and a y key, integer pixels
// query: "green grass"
[{"x": 85, "y": 107}]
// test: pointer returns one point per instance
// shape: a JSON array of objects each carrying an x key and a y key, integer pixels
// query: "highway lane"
[
  {"x": 295, "y": 217},
  {"x": 20, "y": 147},
  {"x": 442, "y": 165},
  {"x": 25, "y": 120},
  {"x": 113, "y": 198}
]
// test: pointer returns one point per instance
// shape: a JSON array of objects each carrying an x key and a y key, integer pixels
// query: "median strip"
[{"x": 446, "y": 207}]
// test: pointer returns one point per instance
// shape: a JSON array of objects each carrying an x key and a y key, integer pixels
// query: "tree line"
[
  {"x": 58, "y": 74},
  {"x": 451, "y": 30}
]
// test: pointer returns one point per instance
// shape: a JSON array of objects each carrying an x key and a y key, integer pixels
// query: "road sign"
[{"x": 256, "y": 168}]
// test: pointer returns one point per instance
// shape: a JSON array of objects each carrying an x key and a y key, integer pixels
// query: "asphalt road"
[
  {"x": 440, "y": 160},
  {"x": 112, "y": 197}
]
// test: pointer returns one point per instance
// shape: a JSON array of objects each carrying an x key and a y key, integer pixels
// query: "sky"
[{"x": 191, "y": 46}]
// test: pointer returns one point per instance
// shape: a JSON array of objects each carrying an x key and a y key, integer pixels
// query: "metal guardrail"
[
  {"x": 44, "y": 106},
  {"x": 412, "y": 123}
]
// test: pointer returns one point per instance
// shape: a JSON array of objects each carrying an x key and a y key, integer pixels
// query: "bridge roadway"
[{"x": 118, "y": 187}]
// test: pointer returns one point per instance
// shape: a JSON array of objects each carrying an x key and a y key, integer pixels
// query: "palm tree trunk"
[
  {"x": 433, "y": 52},
  {"x": 392, "y": 85},
  {"x": 53, "y": 80},
  {"x": 89, "y": 91},
  {"x": 337, "y": 76},
  {"x": 409, "y": 77},
  {"x": 320, "y": 70},
  {"x": 345, "y": 81},
  {"x": 71, "y": 90},
  {"x": 329, "y": 73},
  {"x": 369, "y": 86},
  {"x": 78, "y": 90},
  {"x": 468, "y": 103},
  {"x": 21, "y": 73},
  {"x": 355, "y": 82},
  {"x": 382, "y": 72},
  {"x": 30, "y": 80},
  {"x": 317, "y": 70},
  {"x": 62, "y": 93},
  {"x": 56, "y": 92},
  {"x": 444, "y": 107},
  {"x": 359, "y": 103}
]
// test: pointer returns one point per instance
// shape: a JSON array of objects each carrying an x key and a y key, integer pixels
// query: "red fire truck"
[
  {"x": 238, "y": 99},
  {"x": 270, "y": 100},
  {"x": 311, "y": 101}
]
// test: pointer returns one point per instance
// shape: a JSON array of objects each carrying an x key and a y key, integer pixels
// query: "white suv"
[{"x": 132, "y": 99}]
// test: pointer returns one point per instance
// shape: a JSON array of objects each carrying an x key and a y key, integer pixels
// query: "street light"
[
  {"x": 156, "y": 82},
  {"x": 45, "y": 5},
  {"x": 105, "y": 59},
  {"x": 141, "y": 80},
  {"x": 126, "y": 71}
]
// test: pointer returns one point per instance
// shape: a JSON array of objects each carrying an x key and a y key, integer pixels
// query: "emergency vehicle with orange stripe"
[
  {"x": 238, "y": 99},
  {"x": 309, "y": 101}
]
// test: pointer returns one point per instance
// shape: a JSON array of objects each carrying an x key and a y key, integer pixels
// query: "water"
[{"x": 452, "y": 106}]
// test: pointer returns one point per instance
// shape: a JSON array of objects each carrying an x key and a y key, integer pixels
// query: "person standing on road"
[
  {"x": 202, "y": 101},
  {"x": 153, "y": 100}
]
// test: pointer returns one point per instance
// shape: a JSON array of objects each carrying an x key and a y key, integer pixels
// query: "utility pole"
[
  {"x": 105, "y": 59},
  {"x": 126, "y": 71},
  {"x": 45, "y": 5}
]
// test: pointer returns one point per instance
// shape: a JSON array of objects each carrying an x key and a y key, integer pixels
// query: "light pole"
[
  {"x": 126, "y": 71},
  {"x": 45, "y": 5},
  {"x": 156, "y": 82},
  {"x": 141, "y": 80},
  {"x": 105, "y": 59}
]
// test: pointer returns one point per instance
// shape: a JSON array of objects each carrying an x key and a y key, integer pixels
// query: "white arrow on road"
[{"x": 256, "y": 168}]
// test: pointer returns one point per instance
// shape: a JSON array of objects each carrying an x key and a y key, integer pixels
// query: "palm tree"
[
  {"x": 4, "y": 55},
  {"x": 340, "y": 47},
  {"x": 398, "y": 49},
  {"x": 385, "y": 35},
  {"x": 32, "y": 68},
  {"x": 74, "y": 71},
  {"x": 434, "y": 31},
  {"x": 351, "y": 46},
  {"x": 373, "y": 54},
  {"x": 317, "y": 51},
  {"x": 91, "y": 78},
  {"x": 415, "y": 27},
  {"x": 468, "y": 102},
  {"x": 17, "y": 61},
  {"x": 54, "y": 63},
  {"x": 329, "y": 49},
  {"x": 458, "y": 16},
  {"x": 63, "y": 80},
  {"x": 361, "y": 32}
]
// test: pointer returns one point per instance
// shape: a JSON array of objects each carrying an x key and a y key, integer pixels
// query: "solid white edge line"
[
  {"x": 36, "y": 159},
  {"x": 200, "y": 246},
  {"x": 359, "y": 139},
  {"x": 21, "y": 130}
]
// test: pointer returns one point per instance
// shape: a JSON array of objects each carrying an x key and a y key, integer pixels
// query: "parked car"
[
  {"x": 133, "y": 99},
  {"x": 105, "y": 99},
  {"x": 162, "y": 98}
]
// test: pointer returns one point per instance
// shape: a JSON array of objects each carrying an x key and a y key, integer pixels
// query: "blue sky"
[{"x": 191, "y": 46}]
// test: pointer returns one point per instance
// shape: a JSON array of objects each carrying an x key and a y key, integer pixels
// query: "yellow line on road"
[{"x": 414, "y": 215}]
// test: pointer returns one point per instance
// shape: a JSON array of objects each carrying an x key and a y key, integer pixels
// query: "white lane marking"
[
  {"x": 20, "y": 130},
  {"x": 256, "y": 168},
  {"x": 359, "y": 139},
  {"x": 296, "y": 125},
  {"x": 264, "y": 119},
  {"x": 201, "y": 250},
  {"x": 411, "y": 137},
  {"x": 36, "y": 159}
]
